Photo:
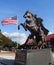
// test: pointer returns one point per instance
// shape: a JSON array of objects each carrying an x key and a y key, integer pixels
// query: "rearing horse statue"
[{"x": 35, "y": 26}]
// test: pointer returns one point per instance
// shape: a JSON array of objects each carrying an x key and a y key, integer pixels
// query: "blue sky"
[{"x": 43, "y": 8}]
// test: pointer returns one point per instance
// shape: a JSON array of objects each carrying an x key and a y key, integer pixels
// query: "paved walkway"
[{"x": 7, "y": 58}]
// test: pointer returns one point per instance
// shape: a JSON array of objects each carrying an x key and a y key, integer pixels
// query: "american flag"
[{"x": 10, "y": 20}]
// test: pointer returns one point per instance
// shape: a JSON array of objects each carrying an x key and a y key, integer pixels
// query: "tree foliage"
[{"x": 5, "y": 41}]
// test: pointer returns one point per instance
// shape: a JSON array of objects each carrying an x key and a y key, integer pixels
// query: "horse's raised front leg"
[
  {"x": 18, "y": 27},
  {"x": 24, "y": 26}
]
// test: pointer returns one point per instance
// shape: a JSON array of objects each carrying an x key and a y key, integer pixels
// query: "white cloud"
[
  {"x": 19, "y": 37},
  {"x": 15, "y": 36},
  {"x": 50, "y": 33}
]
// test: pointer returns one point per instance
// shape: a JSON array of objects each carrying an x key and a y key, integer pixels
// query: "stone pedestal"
[{"x": 33, "y": 57}]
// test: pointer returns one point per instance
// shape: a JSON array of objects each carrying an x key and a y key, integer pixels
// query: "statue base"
[{"x": 33, "y": 57}]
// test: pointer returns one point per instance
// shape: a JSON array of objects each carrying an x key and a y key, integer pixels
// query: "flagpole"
[{"x": 17, "y": 30}]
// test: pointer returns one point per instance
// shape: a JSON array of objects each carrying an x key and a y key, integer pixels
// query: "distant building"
[
  {"x": 49, "y": 37},
  {"x": 50, "y": 40}
]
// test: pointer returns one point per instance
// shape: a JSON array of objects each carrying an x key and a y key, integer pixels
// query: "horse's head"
[{"x": 28, "y": 15}]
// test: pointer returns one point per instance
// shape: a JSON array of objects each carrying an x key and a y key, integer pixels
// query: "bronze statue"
[{"x": 35, "y": 26}]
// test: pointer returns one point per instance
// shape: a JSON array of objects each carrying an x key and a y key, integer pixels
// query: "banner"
[{"x": 10, "y": 20}]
